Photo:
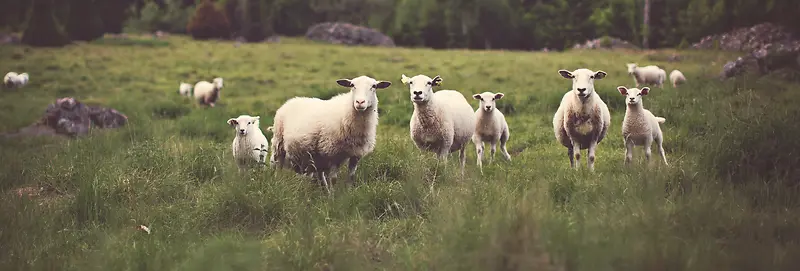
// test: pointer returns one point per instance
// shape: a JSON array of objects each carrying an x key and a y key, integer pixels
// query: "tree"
[
  {"x": 209, "y": 23},
  {"x": 43, "y": 28},
  {"x": 256, "y": 25},
  {"x": 84, "y": 22},
  {"x": 646, "y": 25}
]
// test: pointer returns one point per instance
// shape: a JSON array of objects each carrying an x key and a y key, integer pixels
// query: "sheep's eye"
[
  {"x": 591, "y": 77},
  {"x": 248, "y": 123},
  {"x": 430, "y": 83},
  {"x": 374, "y": 86}
]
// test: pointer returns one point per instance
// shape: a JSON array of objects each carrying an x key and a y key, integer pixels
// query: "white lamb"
[
  {"x": 14, "y": 80},
  {"x": 316, "y": 136},
  {"x": 490, "y": 126},
  {"x": 250, "y": 145},
  {"x": 443, "y": 122},
  {"x": 185, "y": 89},
  {"x": 640, "y": 127},
  {"x": 648, "y": 75},
  {"x": 677, "y": 78},
  {"x": 208, "y": 93},
  {"x": 582, "y": 120}
]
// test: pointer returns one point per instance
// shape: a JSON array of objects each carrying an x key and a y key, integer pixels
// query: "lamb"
[
  {"x": 677, "y": 78},
  {"x": 648, "y": 75},
  {"x": 490, "y": 126},
  {"x": 208, "y": 93},
  {"x": 185, "y": 89},
  {"x": 640, "y": 127},
  {"x": 250, "y": 145},
  {"x": 582, "y": 120},
  {"x": 443, "y": 122},
  {"x": 14, "y": 80},
  {"x": 316, "y": 136}
]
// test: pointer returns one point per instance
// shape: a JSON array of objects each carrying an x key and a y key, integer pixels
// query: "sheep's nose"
[
  {"x": 488, "y": 108},
  {"x": 241, "y": 131},
  {"x": 417, "y": 93},
  {"x": 581, "y": 89},
  {"x": 360, "y": 102}
]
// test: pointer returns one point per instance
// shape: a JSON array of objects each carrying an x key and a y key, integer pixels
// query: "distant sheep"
[
  {"x": 316, "y": 136},
  {"x": 250, "y": 145},
  {"x": 640, "y": 127},
  {"x": 14, "y": 80},
  {"x": 677, "y": 78},
  {"x": 185, "y": 89},
  {"x": 582, "y": 119},
  {"x": 443, "y": 122},
  {"x": 648, "y": 75},
  {"x": 490, "y": 126},
  {"x": 208, "y": 93}
]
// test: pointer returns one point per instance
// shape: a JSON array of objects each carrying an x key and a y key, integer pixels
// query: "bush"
[
  {"x": 113, "y": 14},
  {"x": 43, "y": 27},
  {"x": 209, "y": 23},
  {"x": 172, "y": 18},
  {"x": 256, "y": 26},
  {"x": 84, "y": 21}
]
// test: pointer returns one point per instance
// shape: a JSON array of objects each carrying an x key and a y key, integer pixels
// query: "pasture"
[{"x": 722, "y": 204}]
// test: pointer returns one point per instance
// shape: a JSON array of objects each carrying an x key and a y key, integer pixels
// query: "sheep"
[
  {"x": 640, "y": 127},
  {"x": 249, "y": 139},
  {"x": 185, "y": 89},
  {"x": 317, "y": 136},
  {"x": 443, "y": 121},
  {"x": 208, "y": 93},
  {"x": 648, "y": 75},
  {"x": 14, "y": 80},
  {"x": 677, "y": 78},
  {"x": 582, "y": 119},
  {"x": 490, "y": 126}
]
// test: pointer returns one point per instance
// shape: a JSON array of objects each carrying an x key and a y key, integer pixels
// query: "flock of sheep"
[{"x": 315, "y": 137}]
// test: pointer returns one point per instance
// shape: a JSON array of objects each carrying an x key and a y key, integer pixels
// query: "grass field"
[{"x": 722, "y": 204}]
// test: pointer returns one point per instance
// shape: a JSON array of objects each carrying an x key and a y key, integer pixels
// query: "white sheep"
[
  {"x": 648, "y": 75},
  {"x": 677, "y": 78},
  {"x": 185, "y": 89},
  {"x": 582, "y": 119},
  {"x": 250, "y": 145},
  {"x": 14, "y": 80},
  {"x": 640, "y": 127},
  {"x": 443, "y": 121},
  {"x": 490, "y": 126},
  {"x": 208, "y": 93},
  {"x": 317, "y": 136}
]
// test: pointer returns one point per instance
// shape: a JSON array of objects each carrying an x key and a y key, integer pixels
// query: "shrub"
[
  {"x": 172, "y": 18},
  {"x": 209, "y": 23},
  {"x": 84, "y": 21},
  {"x": 43, "y": 27},
  {"x": 256, "y": 26}
]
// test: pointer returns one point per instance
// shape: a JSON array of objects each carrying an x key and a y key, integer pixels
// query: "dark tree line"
[{"x": 508, "y": 24}]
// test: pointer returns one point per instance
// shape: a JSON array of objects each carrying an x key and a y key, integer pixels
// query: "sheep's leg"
[
  {"x": 576, "y": 150},
  {"x": 493, "y": 145},
  {"x": 479, "y": 153},
  {"x": 628, "y": 152},
  {"x": 590, "y": 160},
  {"x": 463, "y": 156},
  {"x": 351, "y": 167},
  {"x": 324, "y": 180},
  {"x": 571, "y": 155},
  {"x": 503, "y": 151},
  {"x": 647, "y": 151},
  {"x": 659, "y": 141}
]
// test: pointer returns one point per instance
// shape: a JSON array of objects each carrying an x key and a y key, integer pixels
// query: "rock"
[
  {"x": 69, "y": 117},
  {"x": 9, "y": 39},
  {"x": 746, "y": 38},
  {"x": 605, "y": 43},
  {"x": 348, "y": 34}
]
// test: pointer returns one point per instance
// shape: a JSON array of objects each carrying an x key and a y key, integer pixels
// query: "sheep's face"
[
  {"x": 488, "y": 100},
  {"x": 185, "y": 89},
  {"x": 631, "y": 67},
  {"x": 421, "y": 87},
  {"x": 583, "y": 81},
  {"x": 217, "y": 82},
  {"x": 244, "y": 123},
  {"x": 633, "y": 96},
  {"x": 363, "y": 90}
]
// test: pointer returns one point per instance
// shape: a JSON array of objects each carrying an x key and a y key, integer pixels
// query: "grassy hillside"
[{"x": 723, "y": 204}]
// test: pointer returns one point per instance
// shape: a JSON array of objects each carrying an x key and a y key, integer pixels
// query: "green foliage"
[
  {"x": 43, "y": 28},
  {"x": 85, "y": 22},
  {"x": 173, "y": 17},
  {"x": 255, "y": 15},
  {"x": 208, "y": 22}
]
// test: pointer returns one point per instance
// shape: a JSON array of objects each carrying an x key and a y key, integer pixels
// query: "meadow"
[{"x": 726, "y": 202}]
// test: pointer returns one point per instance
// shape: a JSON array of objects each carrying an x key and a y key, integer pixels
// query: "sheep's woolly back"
[
  {"x": 447, "y": 112},
  {"x": 676, "y": 77}
]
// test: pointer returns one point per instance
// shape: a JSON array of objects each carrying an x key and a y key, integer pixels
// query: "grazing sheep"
[
  {"x": 648, "y": 75},
  {"x": 317, "y": 136},
  {"x": 185, "y": 89},
  {"x": 677, "y": 78},
  {"x": 582, "y": 120},
  {"x": 640, "y": 127},
  {"x": 250, "y": 145},
  {"x": 443, "y": 122},
  {"x": 490, "y": 126},
  {"x": 14, "y": 80},
  {"x": 208, "y": 93}
]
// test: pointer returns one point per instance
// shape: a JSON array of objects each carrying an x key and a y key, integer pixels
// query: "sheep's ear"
[
  {"x": 599, "y": 75},
  {"x": 437, "y": 81},
  {"x": 383, "y": 84},
  {"x": 257, "y": 117},
  {"x": 477, "y": 97},
  {"x": 622, "y": 90},
  {"x": 404, "y": 79},
  {"x": 232, "y": 122},
  {"x": 499, "y": 96},
  {"x": 345, "y": 83},
  {"x": 645, "y": 90},
  {"x": 566, "y": 74}
]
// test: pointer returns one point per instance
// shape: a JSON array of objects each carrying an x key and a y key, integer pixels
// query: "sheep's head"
[
  {"x": 633, "y": 96},
  {"x": 244, "y": 123},
  {"x": 363, "y": 90},
  {"x": 421, "y": 86},
  {"x": 184, "y": 89},
  {"x": 631, "y": 67},
  {"x": 488, "y": 100},
  {"x": 217, "y": 83},
  {"x": 583, "y": 81}
]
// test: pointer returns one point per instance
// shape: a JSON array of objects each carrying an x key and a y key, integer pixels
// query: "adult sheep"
[
  {"x": 647, "y": 75},
  {"x": 582, "y": 119},
  {"x": 443, "y": 122},
  {"x": 316, "y": 136},
  {"x": 207, "y": 93},
  {"x": 14, "y": 80}
]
